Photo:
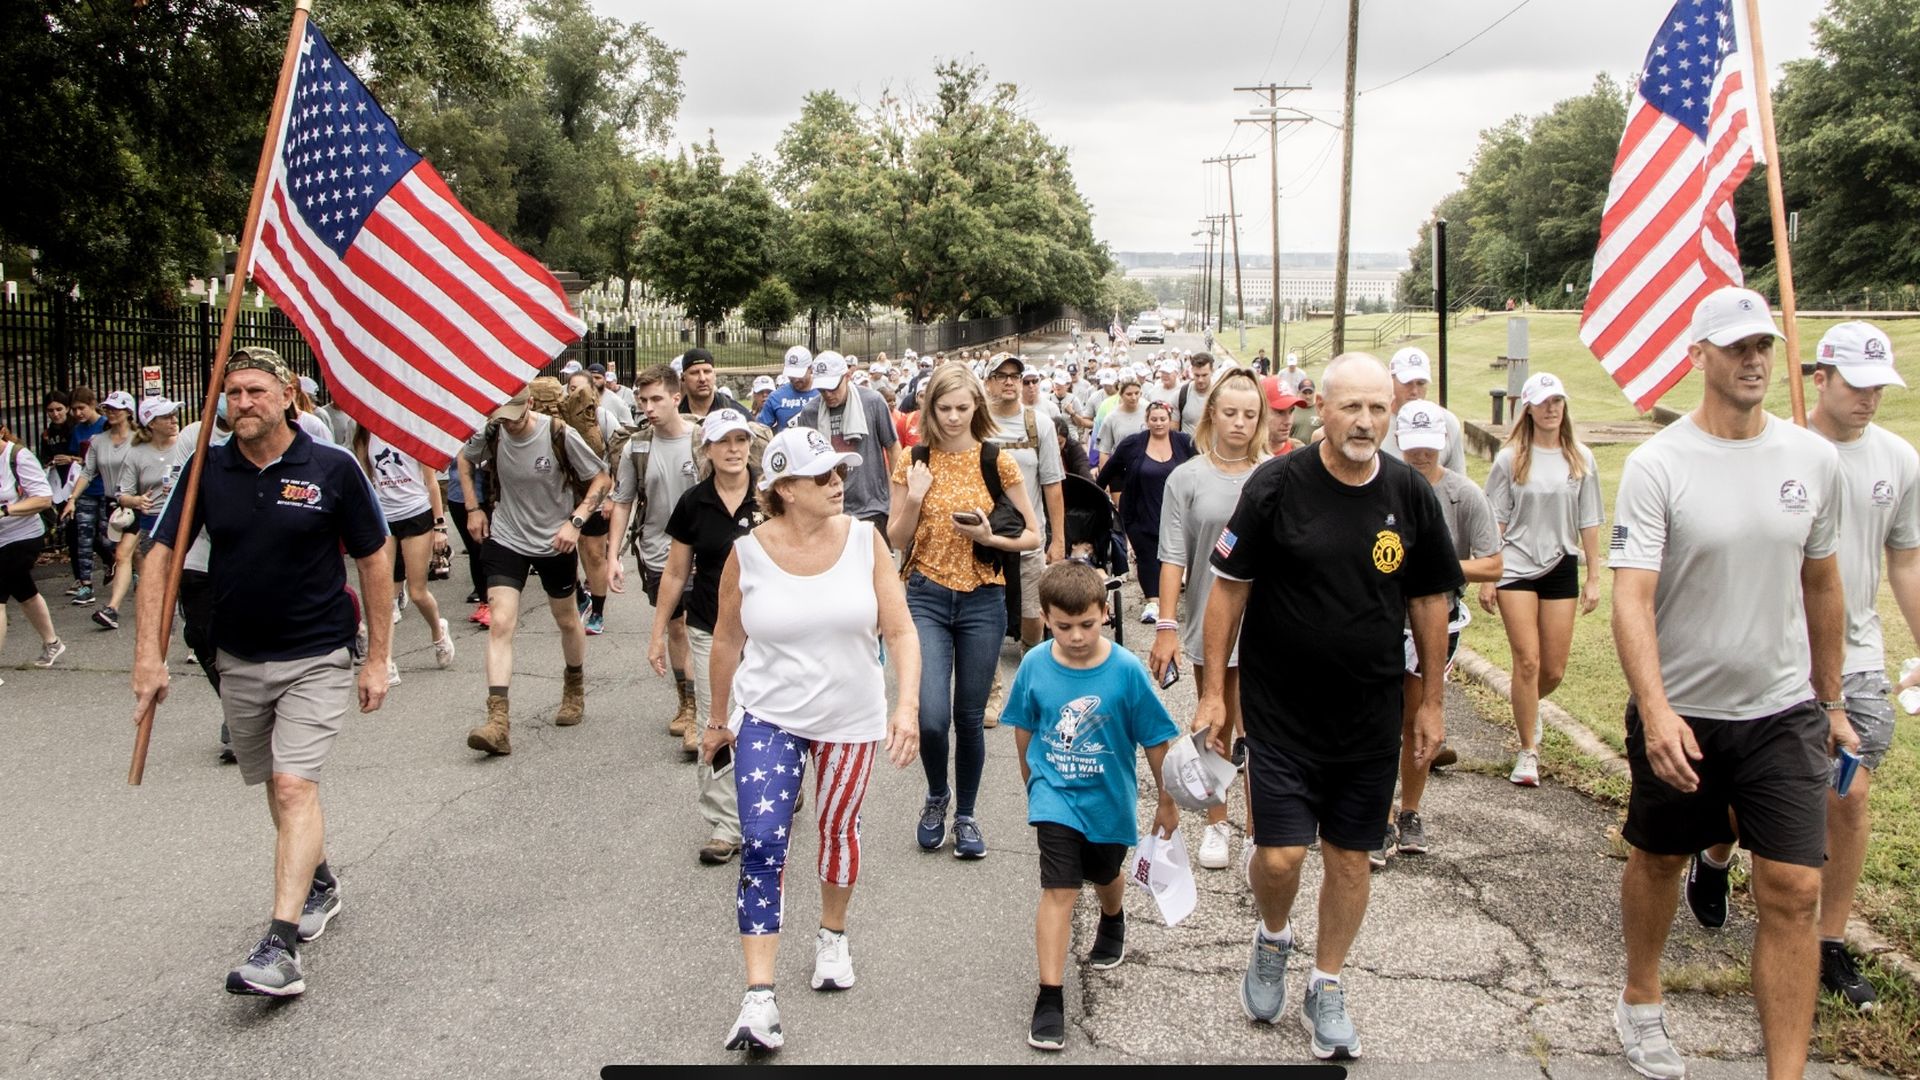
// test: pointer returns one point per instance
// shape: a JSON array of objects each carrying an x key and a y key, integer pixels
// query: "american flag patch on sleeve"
[
  {"x": 1619, "y": 542},
  {"x": 1223, "y": 547}
]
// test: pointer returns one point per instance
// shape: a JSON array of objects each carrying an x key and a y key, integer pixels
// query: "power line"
[
  {"x": 1311, "y": 27},
  {"x": 1338, "y": 43},
  {"x": 1450, "y": 52},
  {"x": 1277, "y": 34}
]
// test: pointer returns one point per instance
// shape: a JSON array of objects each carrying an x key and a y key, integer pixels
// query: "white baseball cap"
[
  {"x": 800, "y": 452},
  {"x": 572, "y": 367},
  {"x": 1421, "y": 425},
  {"x": 1167, "y": 367},
  {"x": 119, "y": 399},
  {"x": 154, "y": 408},
  {"x": 312, "y": 388},
  {"x": 828, "y": 369},
  {"x": 1862, "y": 353},
  {"x": 1193, "y": 775},
  {"x": 795, "y": 365},
  {"x": 1108, "y": 377},
  {"x": 1542, "y": 387},
  {"x": 764, "y": 382},
  {"x": 1411, "y": 365},
  {"x": 723, "y": 422},
  {"x": 1729, "y": 314},
  {"x": 1293, "y": 359}
]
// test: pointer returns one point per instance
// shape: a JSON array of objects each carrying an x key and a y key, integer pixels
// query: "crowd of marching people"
[{"x": 798, "y": 539}]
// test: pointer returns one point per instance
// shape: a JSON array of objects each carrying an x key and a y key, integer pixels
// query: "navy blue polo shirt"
[{"x": 279, "y": 584}]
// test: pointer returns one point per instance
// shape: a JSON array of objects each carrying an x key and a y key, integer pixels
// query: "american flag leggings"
[{"x": 769, "y": 766}]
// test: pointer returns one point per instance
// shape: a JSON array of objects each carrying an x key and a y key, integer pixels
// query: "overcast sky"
[{"x": 1140, "y": 93}]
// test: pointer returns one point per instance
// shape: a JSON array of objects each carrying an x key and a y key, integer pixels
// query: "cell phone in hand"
[
  {"x": 723, "y": 757},
  {"x": 968, "y": 517},
  {"x": 1171, "y": 675}
]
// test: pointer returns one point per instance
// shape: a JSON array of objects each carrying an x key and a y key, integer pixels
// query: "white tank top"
[{"x": 812, "y": 663}]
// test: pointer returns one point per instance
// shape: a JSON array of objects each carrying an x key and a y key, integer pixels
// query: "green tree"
[
  {"x": 769, "y": 306},
  {"x": 1122, "y": 297},
  {"x": 708, "y": 235},
  {"x": 828, "y": 172}
]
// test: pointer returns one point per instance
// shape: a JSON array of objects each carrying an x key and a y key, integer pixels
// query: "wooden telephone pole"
[
  {"x": 1346, "y": 186},
  {"x": 1233, "y": 215},
  {"x": 1270, "y": 116}
]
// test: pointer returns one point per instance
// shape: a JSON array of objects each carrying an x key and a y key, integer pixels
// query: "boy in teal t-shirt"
[{"x": 1080, "y": 709}]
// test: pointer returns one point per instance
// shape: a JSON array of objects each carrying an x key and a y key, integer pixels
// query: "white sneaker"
[
  {"x": 443, "y": 647},
  {"x": 832, "y": 963},
  {"x": 1643, "y": 1038},
  {"x": 758, "y": 1025},
  {"x": 393, "y": 673},
  {"x": 398, "y": 603},
  {"x": 1151, "y": 613},
  {"x": 1214, "y": 841},
  {"x": 1526, "y": 769}
]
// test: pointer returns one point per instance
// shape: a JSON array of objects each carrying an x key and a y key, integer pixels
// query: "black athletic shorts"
[
  {"x": 1292, "y": 799},
  {"x": 419, "y": 524},
  {"x": 1560, "y": 583},
  {"x": 1771, "y": 772},
  {"x": 598, "y": 524},
  {"x": 504, "y": 568},
  {"x": 16, "y": 569},
  {"x": 650, "y": 584},
  {"x": 1068, "y": 858}
]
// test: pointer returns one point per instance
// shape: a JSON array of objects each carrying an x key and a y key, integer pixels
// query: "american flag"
[
  {"x": 422, "y": 317},
  {"x": 1666, "y": 236}
]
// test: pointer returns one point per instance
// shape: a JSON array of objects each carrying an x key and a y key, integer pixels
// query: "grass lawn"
[{"x": 1594, "y": 690}]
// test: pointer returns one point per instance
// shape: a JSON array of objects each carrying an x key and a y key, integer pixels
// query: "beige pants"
[{"x": 718, "y": 802}]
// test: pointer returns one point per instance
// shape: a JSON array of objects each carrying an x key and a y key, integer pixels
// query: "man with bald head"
[{"x": 1332, "y": 552}]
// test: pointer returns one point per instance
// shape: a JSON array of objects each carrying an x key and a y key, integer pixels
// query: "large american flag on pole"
[
  {"x": 422, "y": 317},
  {"x": 1666, "y": 236}
]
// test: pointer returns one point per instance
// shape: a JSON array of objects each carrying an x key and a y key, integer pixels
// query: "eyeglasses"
[{"x": 1003, "y": 375}]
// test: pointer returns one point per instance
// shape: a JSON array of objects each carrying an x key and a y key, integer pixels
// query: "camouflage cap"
[{"x": 260, "y": 358}]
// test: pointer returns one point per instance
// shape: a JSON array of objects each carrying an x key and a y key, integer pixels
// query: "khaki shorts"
[
  {"x": 283, "y": 714},
  {"x": 1032, "y": 565}
]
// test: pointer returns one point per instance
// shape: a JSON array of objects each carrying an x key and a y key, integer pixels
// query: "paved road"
[{"x": 543, "y": 914}]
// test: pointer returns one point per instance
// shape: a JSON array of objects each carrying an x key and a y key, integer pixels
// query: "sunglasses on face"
[{"x": 838, "y": 470}]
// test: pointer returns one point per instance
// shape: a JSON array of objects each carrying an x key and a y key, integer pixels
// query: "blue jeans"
[{"x": 960, "y": 635}]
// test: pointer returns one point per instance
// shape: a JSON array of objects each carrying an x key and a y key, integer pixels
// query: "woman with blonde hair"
[
  {"x": 1198, "y": 501},
  {"x": 956, "y": 588},
  {"x": 1545, "y": 491}
]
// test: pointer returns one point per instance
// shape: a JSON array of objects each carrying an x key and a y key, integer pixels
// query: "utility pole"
[
  {"x": 1206, "y": 273},
  {"x": 1346, "y": 186},
  {"x": 1270, "y": 116},
  {"x": 1227, "y": 221},
  {"x": 1239, "y": 297}
]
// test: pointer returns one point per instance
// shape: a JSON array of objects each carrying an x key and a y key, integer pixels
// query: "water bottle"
[{"x": 1910, "y": 697}]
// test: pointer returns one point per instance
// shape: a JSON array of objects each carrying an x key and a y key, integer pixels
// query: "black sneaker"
[
  {"x": 1109, "y": 942},
  {"x": 271, "y": 971},
  {"x": 1049, "y": 1028},
  {"x": 1707, "y": 892},
  {"x": 107, "y": 617},
  {"x": 474, "y": 597},
  {"x": 1841, "y": 977}
]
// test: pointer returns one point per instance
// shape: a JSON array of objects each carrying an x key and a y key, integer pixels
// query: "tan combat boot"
[
  {"x": 682, "y": 721},
  {"x": 573, "y": 700},
  {"x": 690, "y": 741},
  {"x": 492, "y": 735}
]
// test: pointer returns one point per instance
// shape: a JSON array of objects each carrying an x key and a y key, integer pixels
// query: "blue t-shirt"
[
  {"x": 784, "y": 404},
  {"x": 77, "y": 446},
  {"x": 1087, "y": 725}
]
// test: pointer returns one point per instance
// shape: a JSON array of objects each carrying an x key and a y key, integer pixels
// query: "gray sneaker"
[
  {"x": 1413, "y": 832},
  {"x": 1643, "y": 1038},
  {"x": 1377, "y": 858},
  {"x": 323, "y": 903},
  {"x": 271, "y": 971},
  {"x": 50, "y": 652},
  {"x": 1324, "y": 1015},
  {"x": 1263, "y": 993}
]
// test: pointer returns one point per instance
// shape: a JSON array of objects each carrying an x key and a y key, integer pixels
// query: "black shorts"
[
  {"x": 1560, "y": 583},
  {"x": 16, "y": 568},
  {"x": 1292, "y": 799},
  {"x": 598, "y": 524},
  {"x": 1771, "y": 772},
  {"x": 419, "y": 524},
  {"x": 1068, "y": 858},
  {"x": 503, "y": 568},
  {"x": 650, "y": 584}
]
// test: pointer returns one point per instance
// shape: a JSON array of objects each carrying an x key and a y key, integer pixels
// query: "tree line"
[
  {"x": 131, "y": 146},
  {"x": 1526, "y": 219}
]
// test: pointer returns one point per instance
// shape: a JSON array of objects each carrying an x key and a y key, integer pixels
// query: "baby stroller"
[{"x": 1094, "y": 537}]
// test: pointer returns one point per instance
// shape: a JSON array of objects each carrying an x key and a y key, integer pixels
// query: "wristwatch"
[
  {"x": 577, "y": 522},
  {"x": 1834, "y": 706}
]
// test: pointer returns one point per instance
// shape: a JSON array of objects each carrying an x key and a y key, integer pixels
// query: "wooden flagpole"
[
  {"x": 289, "y": 63},
  {"x": 1776, "y": 199}
]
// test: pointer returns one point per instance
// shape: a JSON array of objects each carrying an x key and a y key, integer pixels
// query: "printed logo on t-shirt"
[
  {"x": 686, "y": 467},
  {"x": 1388, "y": 551},
  {"x": 1224, "y": 546},
  {"x": 1072, "y": 747},
  {"x": 1793, "y": 497},
  {"x": 543, "y": 464},
  {"x": 1619, "y": 538},
  {"x": 300, "y": 493},
  {"x": 1882, "y": 493}
]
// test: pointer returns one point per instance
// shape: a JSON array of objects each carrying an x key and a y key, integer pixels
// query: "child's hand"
[{"x": 1166, "y": 818}]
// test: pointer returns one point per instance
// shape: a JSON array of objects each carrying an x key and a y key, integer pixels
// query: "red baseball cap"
[{"x": 1278, "y": 399}]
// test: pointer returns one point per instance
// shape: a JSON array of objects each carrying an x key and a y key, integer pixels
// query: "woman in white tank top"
[{"x": 796, "y": 680}]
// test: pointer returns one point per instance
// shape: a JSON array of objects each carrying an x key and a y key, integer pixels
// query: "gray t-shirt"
[
  {"x": 149, "y": 470},
  {"x": 534, "y": 499},
  {"x": 670, "y": 472},
  {"x": 1881, "y": 509},
  {"x": 1195, "y": 408},
  {"x": 1040, "y": 463},
  {"x": 1475, "y": 536},
  {"x": 1452, "y": 459},
  {"x": 1197, "y": 504},
  {"x": 1727, "y": 525},
  {"x": 1543, "y": 517},
  {"x": 868, "y": 487},
  {"x": 1119, "y": 424}
]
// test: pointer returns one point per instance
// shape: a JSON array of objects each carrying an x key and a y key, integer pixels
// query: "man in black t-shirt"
[{"x": 1330, "y": 553}]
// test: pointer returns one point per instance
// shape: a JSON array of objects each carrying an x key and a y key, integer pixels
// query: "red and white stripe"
[
  {"x": 1667, "y": 233},
  {"x": 839, "y": 785}
]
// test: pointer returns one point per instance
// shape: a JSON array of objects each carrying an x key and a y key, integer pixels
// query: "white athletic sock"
[
  {"x": 1318, "y": 977},
  {"x": 1708, "y": 859},
  {"x": 1284, "y": 937}
]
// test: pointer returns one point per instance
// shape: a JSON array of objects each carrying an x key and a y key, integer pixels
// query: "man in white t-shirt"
[{"x": 1729, "y": 618}]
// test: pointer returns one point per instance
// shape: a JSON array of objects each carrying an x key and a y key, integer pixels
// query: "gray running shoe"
[
  {"x": 323, "y": 903},
  {"x": 271, "y": 971},
  {"x": 50, "y": 652},
  {"x": 758, "y": 1025},
  {"x": 1413, "y": 832},
  {"x": 1324, "y": 1015},
  {"x": 1643, "y": 1038},
  {"x": 1377, "y": 858},
  {"x": 1263, "y": 993}
]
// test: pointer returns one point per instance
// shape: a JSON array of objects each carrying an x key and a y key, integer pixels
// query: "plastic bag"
[{"x": 1161, "y": 867}]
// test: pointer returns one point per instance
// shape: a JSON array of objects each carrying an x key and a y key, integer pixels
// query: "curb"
[{"x": 1479, "y": 670}]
